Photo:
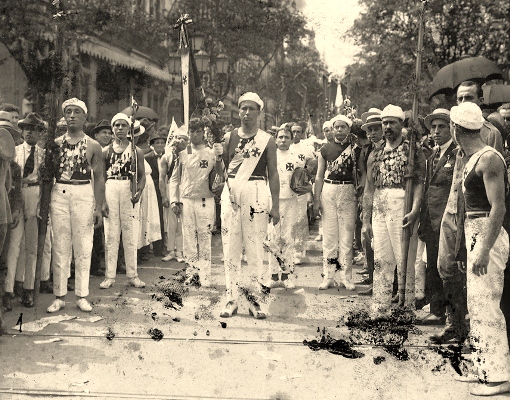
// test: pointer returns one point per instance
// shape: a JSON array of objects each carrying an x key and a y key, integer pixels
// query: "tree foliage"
[
  {"x": 387, "y": 32},
  {"x": 27, "y": 29},
  {"x": 264, "y": 41}
]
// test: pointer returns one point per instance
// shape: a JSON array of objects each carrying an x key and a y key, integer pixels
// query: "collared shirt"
[
  {"x": 444, "y": 147},
  {"x": 22, "y": 153}
]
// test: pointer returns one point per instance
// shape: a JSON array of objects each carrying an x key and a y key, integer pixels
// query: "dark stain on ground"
[
  {"x": 378, "y": 360},
  {"x": 335, "y": 346},
  {"x": 155, "y": 334},
  {"x": 110, "y": 334},
  {"x": 171, "y": 293},
  {"x": 452, "y": 353},
  {"x": 223, "y": 324},
  {"x": 389, "y": 332}
]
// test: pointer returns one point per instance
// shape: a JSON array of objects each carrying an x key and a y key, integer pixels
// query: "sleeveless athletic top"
[
  {"x": 73, "y": 161},
  {"x": 237, "y": 144},
  {"x": 116, "y": 164}
]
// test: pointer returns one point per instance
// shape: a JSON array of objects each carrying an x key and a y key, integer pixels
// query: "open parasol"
[
  {"x": 478, "y": 69},
  {"x": 143, "y": 112},
  {"x": 495, "y": 95}
]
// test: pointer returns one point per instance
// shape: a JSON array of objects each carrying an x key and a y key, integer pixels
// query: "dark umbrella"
[
  {"x": 495, "y": 95},
  {"x": 143, "y": 112},
  {"x": 477, "y": 69}
]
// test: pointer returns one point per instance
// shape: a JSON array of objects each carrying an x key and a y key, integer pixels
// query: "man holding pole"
[
  {"x": 76, "y": 201},
  {"x": 383, "y": 209},
  {"x": 249, "y": 155}
]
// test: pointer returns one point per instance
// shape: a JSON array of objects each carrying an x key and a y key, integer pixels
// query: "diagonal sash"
[
  {"x": 340, "y": 160},
  {"x": 248, "y": 159}
]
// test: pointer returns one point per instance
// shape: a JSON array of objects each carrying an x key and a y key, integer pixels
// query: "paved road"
[{"x": 197, "y": 358}]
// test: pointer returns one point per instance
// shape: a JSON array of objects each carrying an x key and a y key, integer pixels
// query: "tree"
[
  {"x": 29, "y": 36},
  {"x": 387, "y": 32},
  {"x": 264, "y": 41}
]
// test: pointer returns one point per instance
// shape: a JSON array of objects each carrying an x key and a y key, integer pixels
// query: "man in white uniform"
[
  {"x": 281, "y": 235},
  {"x": 75, "y": 205},
  {"x": 305, "y": 153},
  {"x": 191, "y": 197},
  {"x": 122, "y": 208},
  {"x": 249, "y": 155}
]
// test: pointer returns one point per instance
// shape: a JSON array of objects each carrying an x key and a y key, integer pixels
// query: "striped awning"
[{"x": 128, "y": 59}]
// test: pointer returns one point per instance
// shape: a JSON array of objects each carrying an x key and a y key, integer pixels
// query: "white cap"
[
  {"x": 341, "y": 117},
  {"x": 250, "y": 96},
  {"x": 121, "y": 116},
  {"x": 393, "y": 111},
  {"x": 327, "y": 124},
  {"x": 74, "y": 102},
  {"x": 467, "y": 115}
]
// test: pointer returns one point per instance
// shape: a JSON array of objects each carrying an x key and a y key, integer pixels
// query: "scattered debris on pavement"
[
  {"x": 155, "y": 334},
  {"x": 335, "y": 346}
]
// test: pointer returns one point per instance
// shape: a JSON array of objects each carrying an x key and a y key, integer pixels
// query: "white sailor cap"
[
  {"x": 251, "y": 96},
  {"x": 75, "y": 102}
]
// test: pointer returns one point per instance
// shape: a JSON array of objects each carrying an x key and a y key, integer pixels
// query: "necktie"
[{"x": 29, "y": 164}]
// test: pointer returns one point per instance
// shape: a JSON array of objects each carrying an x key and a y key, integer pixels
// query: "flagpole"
[
  {"x": 134, "y": 154},
  {"x": 48, "y": 170},
  {"x": 408, "y": 199}
]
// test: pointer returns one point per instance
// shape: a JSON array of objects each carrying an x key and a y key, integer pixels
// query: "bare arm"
[
  {"x": 175, "y": 181},
  {"x": 97, "y": 166},
  {"x": 368, "y": 194},
  {"x": 319, "y": 180},
  {"x": 492, "y": 169},
  {"x": 163, "y": 169},
  {"x": 140, "y": 174},
  {"x": 274, "y": 181}
]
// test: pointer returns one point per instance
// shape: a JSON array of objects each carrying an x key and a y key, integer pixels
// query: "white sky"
[{"x": 330, "y": 19}]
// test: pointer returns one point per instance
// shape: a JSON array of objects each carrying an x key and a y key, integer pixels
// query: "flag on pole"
[
  {"x": 171, "y": 134},
  {"x": 192, "y": 91},
  {"x": 309, "y": 127},
  {"x": 339, "y": 100}
]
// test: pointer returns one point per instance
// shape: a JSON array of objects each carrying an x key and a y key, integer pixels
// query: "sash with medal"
[
  {"x": 247, "y": 160},
  {"x": 337, "y": 164}
]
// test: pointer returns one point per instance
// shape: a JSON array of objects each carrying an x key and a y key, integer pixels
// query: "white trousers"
[
  {"x": 122, "y": 217},
  {"x": 173, "y": 228},
  {"x": 72, "y": 221},
  {"x": 302, "y": 224},
  {"x": 488, "y": 326},
  {"x": 339, "y": 219},
  {"x": 245, "y": 226},
  {"x": 282, "y": 235},
  {"x": 197, "y": 223},
  {"x": 388, "y": 212}
]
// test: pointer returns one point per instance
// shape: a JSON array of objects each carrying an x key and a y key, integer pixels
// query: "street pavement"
[{"x": 116, "y": 357}]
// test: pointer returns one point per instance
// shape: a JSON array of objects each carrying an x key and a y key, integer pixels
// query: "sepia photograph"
[{"x": 254, "y": 199}]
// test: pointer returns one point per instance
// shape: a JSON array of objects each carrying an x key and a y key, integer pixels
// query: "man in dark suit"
[
  {"x": 440, "y": 166},
  {"x": 157, "y": 142}
]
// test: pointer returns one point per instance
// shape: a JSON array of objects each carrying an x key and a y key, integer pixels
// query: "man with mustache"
[{"x": 383, "y": 209}]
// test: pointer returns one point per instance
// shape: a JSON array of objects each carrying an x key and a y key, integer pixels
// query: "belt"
[
  {"x": 338, "y": 182},
  {"x": 29, "y": 184},
  {"x": 119, "y": 178},
  {"x": 73, "y": 182},
  {"x": 477, "y": 214},
  {"x": 252, "y": 178}
]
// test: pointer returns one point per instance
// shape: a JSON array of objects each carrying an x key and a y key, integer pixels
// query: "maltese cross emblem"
[
  {"x": 255, "y": 152},
  {"x": 204, "y": 164},
  {"x": 289, "y": 166},
  {"x": 301, "y": 157}
]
